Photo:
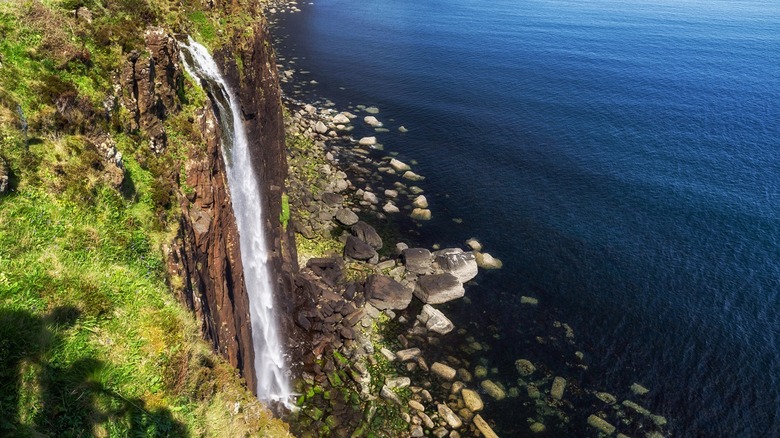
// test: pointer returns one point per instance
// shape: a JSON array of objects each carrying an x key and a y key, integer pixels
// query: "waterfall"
[{"x": 270, "y": 365}]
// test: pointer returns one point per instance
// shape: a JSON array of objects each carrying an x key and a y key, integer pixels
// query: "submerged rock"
[
  {"x": 639, "y": 389},
  {"x": 412, "y": 176},
  {"x": 420, "y": 202},
  {"x": 558, "y": 386},
  {"x": 531, "y": 301},
  {"x": 447, "y": 415},
  {"x": 601, "y": 424},
  {"x": 487, "y": 261},
  {"x": 421, "y": 214},
  {"x": 524, "y": 367},
  {"x": 493, "y": 390}
]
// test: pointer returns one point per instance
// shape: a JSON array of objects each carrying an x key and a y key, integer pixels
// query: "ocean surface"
[{"x": 621, "y": 157}]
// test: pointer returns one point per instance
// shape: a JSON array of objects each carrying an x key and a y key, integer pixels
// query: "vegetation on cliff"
[{"x": 92, "y": 342}]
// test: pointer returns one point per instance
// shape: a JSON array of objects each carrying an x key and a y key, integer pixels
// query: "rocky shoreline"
[{"x": 380, "y": 356}]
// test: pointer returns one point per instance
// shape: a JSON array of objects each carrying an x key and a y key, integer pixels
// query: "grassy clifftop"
[{"x": 91, "y": 340}]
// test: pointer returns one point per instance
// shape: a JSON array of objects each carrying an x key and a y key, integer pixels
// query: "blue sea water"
[{"x": 622, "y": 157}]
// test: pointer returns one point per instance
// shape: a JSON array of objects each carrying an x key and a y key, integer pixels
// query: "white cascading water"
[{"x": 270, "y": 365}]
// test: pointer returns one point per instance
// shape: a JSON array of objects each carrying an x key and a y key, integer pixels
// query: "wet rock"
[
  {"x": 445, "y": 372},
  {"x": 398, "y": 165},
  {"x": 447, "y": 415},
  {"x": 493, "y": 390},
  {"x": 438, "y": 288},
  {"x": 635, "y": 407},
  {"x": 385, "y": 293},
  {"x": 558, "y": 386},
  {"x": 372, "y": 110},
  {"x": 366, "y": 233},
  {"x": 484, "y": 427},
  {"x": 462, "y": 265},
  {"x": 487, "y": 261},
  {"x": 524, "y": 367},
  {"x": 357, "y": 249},
  {"x": 346, "y": 217},
  {"x": 606, "y": 398},
  {"x": 370, "y": 197},
  {"x": 421, "y": 214},
  {"x": 367, "y": 141},
  {"x": 420, "y": 202},
  {"x": 474, "y": 244},
  {"x": 537, "y": 427},
  {"x": 417, "y": 260},
  {"x": 639, "y": 389},
  {"x": 440, "y": 432},
  {"x": 472, "y": 400},
  {"x": 601, "y": 424},
  {"x": 320, "y": 127},
  {"x": 402, "y": 129},
  {"x": 390, "y": 208},
  {"x": 412, "y": 176},
  {"x": 435, "y": 320},
  {"x": 372, "y": 122},
  {"x": 340, "y": 119}
]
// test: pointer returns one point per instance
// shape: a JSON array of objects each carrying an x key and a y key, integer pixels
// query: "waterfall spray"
[{"x": 270, "y": 365}]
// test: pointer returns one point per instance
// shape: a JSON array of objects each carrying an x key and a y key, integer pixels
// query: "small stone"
[
  {"x": 411, "y": 175},
  {"x": 601, "y": 424},
  {"x": 340, "y": 119},
  {"x": 435, "y": 320},
  {"x": 464, "y": 375},
  {"x": 390, "y": 208},
  {"x": 414, "y": 404},
  {"x": 388, "y": 394},
  {"x": 472, "y": 400},
  {"x": 537, "y": 427},
  {"x": 398, "y": 165},
  {"x": 558, "y": 386},
  {"x": 417, "y": 431},
  {"x": 639, "y": 409},
  {"x": 391, "y": 193},
  {"x": 438, "y": 288},
  {"x": 367, "y": 141},
  {"x": 320, "y": 127},
  {"x": 533, "y": 392},
  {"x": 372, "y": 110},
  {"x": 484, "y": 427},
  {"x": 606, "y": 398},
  {"x": 372, "y": 121},
  {"x": 493, "y": 390},
  {"x": 639, "y": 389},
  {"x": 402, "y": 129},
  {"x": 397, "y": 382},
  {"x": 389, "y": 355},
  {"x": 445, "y": 372},
  {"x": 421, "y": 214},
  {"x": 487, "y": 261},
  {"x": 480, "y": 372},
  {"x": 474, "y": 244},
  {"x": 440, "y": 432}
]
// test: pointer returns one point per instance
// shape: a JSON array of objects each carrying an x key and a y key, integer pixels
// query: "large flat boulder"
[
  {"x": 366, "y": 233},
  {"x": 463, "y": 265},
  {"x": 417, "y": 260},
  {"x": 385, "y": 293},
  {"x": 438, "y": 288},
  {"x": 358, "y": 250}
]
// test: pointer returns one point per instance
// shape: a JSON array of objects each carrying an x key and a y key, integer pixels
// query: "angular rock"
[
  {"x": 417, "y": 260},
  {"x": 346, "y": 217},
  {"x": 372, "y": 122},
  {"x": 398, "y": 165},
  {"x": 438, "y": 288},
  {"x": 420, "y": 202},
  {"x": 421, "y": 214},
  {"x": 483, "y": 427},
  {"x": 357, "y": 249},
  {"x": 601, "y": 424},
  {"x": 340, "y": 119},
  {"x": 487, "y": 261},
  {"x": 366, "y": 233},
  {"x": 370, "y": 197},
  {"x": 320, "y": 127},
  {"x": 390, "y": 208},
  {"x": 639, "y": 389},
  {"x": 408, "y": 354},
  {"x": 412, "y": 176},
  {"x": 385, "y": 293},
  {"x": 447, "y": 415},
  {"x": 463, "y": 265},
  {"x": 472, "y": 400},
  {"x": 367, "y": 141},
  {"x": 435, "y": 320},
  {"x": 446, "y": 372}
]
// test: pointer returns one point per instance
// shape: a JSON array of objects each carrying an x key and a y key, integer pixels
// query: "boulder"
[
  {"x": 372, "y": 122},
  {"x": 366, "y": 233},
  {"x": 472, "y": 400},
  {"x": 411, "y": 175},
  {"x": 524, "y": 367},
  {"x": 493, "y": 390},
  {"x": 340, "y": 119},
  {"x": 346, "y": 217},
  {"x": 483, "y": 427},
  {"x": 408, "y": 354},
  {"x": 398, "y": 165},
  {"x": 417, "y": 260},
  {"x": 367, "y": 141},
  {"x": 385, "y": 293},
  {"x": 487, "y": 261},
  {"x": 558, "y": 386},
  {"x": 601, "y": 424},
  {"x": 370, "y": 197},
  {"x": 445, "y": 372},
  {"x": 357, "y": 249},
  {"x": 420, "y": 202},
  {"x": 320, "y": 127},
  {"x": 434, "y": 320},
  {"x": 463, "y": 265},
  {"x": 438, "y": 288},
  {"x": 390, "y": 208},
  {"x": 372, "y": 110},
  {"x": 421, "y": 214},
  {"x": 447, "y": 415}
]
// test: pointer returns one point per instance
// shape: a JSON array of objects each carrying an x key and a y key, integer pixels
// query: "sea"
[{"x": 621, "y": 157}]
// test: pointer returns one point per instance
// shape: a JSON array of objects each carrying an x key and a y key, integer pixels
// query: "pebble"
[
  {"x": 537, "y": 427},
  {"x": 367, "y": 141},
  {"x": 531, "y": 301},
  {"x": 524, "y": 367},
  {"x": 414, "y": 404},
  {"x": 389, "y": 355},
  {"x": 474, "y": 244}
]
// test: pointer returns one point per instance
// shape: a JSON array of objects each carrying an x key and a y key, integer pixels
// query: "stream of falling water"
[{"x": 270, "y": 365}]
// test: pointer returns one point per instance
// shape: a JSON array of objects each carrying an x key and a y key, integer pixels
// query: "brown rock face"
[
  {"x": 206, "y": 255},
  {"x": 149, "y": 83}
]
